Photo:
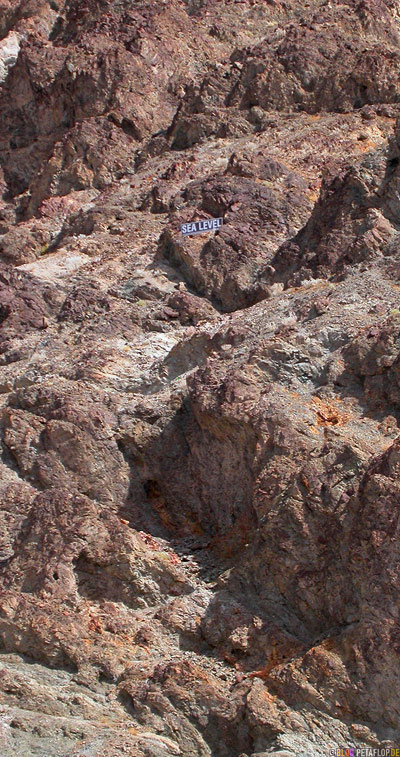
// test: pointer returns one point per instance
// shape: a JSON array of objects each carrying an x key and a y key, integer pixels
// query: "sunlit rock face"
[
  {"x": 9, "y": 49},
  {"x": 199, "y": 434}
]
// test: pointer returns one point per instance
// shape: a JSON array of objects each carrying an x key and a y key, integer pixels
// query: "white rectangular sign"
[{"x": 200, "y": 227}]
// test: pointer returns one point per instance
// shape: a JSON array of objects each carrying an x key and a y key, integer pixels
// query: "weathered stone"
[{"x": 199, "y": 436}]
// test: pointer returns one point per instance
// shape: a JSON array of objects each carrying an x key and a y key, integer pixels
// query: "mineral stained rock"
[{"x": 200, "y": 452}]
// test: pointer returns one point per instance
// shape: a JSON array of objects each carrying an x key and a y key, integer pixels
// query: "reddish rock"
[{"x": 199, "y": 436}]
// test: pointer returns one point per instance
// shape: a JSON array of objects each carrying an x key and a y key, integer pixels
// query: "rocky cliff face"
[{"x": 200, "y": 450}]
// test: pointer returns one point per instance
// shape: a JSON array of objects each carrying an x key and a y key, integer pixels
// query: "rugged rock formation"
[{"x": 199, "y": 436}]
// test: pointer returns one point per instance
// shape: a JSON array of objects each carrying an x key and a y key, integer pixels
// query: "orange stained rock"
[
  {"x": 304, "y": 481},
  {"x": 328, "y": 413},
  {"x": 95, "y": 625},
  {"x": 262, "y": 673},
  {"x": 366, "y": 145}
]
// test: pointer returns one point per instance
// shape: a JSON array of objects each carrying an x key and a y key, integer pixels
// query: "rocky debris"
[
  {"x": 267, "y": 474},
  {"x": 24, "y": 302},
  {"x": 82, "y": 303},
  {"x": 98, "y": 76},
  {"x": 199, "y": 436},
  {"x": 297, "y": 67},
  {"x": 80, "y": 717},
  {"x": 329, "y": 58},
  {"x": 190, "y": 310},
  {"x": 260, "y": 208},
  {"x": 364, "y": 219},
  {"x": 373, "y": 358}
]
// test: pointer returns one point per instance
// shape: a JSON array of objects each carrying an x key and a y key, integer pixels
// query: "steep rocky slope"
[{"x": 199, "y": 435}]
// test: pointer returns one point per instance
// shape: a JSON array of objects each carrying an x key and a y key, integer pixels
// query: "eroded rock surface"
[{"x": 199, "y": 435}]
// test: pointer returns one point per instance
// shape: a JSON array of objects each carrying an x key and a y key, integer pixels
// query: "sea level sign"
[{"x": 200, "y": 227}]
